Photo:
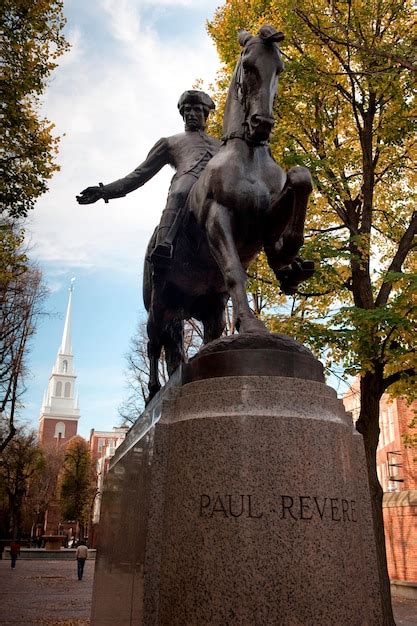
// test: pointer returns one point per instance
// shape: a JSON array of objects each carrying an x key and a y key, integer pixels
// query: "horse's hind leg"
[
  {"x": 154, "y": 329},
  {"x": 213, "y": 318},
  {"x": 223, "y": 249},
  {"x": 173, "y": 340}
]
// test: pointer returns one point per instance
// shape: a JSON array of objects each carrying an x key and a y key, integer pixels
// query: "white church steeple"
[
  {"x": 60, "y": 411},
  {"x": 66, "y": 347}
]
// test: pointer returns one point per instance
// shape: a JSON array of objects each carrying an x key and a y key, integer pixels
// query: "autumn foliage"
[
  {"x": 30, "y": 44},
  {"x": 77, "y": 483}
]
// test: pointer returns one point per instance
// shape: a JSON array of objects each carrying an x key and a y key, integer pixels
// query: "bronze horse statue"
[{"x": 242, "y": 202}]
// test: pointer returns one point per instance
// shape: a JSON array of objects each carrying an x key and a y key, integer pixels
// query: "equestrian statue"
[{"x": 228, "y": 200}]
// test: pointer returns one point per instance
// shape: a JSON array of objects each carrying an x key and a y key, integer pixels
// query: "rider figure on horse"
[{"x": 188, "y": 153}]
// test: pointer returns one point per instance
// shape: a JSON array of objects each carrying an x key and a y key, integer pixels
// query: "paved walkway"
[
  {"x": 45, "y": 593},
  {"x": 48, "y": 593}
]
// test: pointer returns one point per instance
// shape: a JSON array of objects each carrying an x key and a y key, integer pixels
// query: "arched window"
[
  {"x": 60, "y": 430},
  {"x": 58, "y": 388},
  {"x": 67, "y": 390},
  {"x": 64, "y": 366}
]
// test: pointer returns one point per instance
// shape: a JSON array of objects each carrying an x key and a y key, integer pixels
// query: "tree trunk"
[{"x": 368, "y": 426}]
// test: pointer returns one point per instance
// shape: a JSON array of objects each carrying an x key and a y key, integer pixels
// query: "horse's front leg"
[
  {"x": 223, "y": 248},
  {"x": 155, "y": 333},
  {"x": 154, "y": 353},
  {"x": 282, "y": 245}
]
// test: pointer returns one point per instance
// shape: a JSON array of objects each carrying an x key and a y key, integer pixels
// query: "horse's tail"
[{"x": 147, "y": 272}]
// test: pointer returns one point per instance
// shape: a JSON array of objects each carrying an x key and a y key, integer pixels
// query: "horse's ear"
[{"x": 243, "y": 37}]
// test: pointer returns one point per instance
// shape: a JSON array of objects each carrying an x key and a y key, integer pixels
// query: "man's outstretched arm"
[{"x": 156, "y": 159}]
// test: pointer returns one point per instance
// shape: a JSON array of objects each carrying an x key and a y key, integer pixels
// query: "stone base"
[
  {"x": 253, "y": 355},
  {"x": 246, "y": 504}
]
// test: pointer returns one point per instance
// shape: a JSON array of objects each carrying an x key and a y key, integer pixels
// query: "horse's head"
[{"x": 256, "y": 77}]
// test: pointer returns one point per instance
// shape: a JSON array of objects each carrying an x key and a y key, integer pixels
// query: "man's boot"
[{"x": 161, "y": 255}]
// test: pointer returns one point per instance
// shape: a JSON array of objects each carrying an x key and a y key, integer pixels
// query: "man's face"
[{"x": 194, "y": 117}]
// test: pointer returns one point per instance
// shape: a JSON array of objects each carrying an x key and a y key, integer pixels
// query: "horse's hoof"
[
  {"x": 253, "y": 326},
  {"x": 288, "y": 290}
]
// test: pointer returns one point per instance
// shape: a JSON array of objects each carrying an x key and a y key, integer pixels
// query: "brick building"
[
  {"x": 397, "y": 473},
  {"x": 103, "y": 445}
]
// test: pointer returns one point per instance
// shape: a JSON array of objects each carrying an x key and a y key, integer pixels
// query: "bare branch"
[{"x": 404, "y": 247}]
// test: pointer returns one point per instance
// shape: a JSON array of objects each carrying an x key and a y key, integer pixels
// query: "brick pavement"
[
  {"x": 45, "y": 593},
  {"x": 48, "y": 593}
]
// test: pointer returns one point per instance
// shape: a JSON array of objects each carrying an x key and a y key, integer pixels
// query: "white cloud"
[
  {"x": 125, "y": 21},
  {"x": 113, "y": 97}
]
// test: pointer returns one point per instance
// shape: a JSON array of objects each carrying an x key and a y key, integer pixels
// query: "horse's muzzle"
[{"x": 260, "y": 127}]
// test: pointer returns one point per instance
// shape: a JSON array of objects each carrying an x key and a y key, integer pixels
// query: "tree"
[
  {"x": 42, "y": 487},
  {"x": 30, "y": 44},
  {"x": 77, "y": 484},
  {"x": 137, "y": 371},
  {"x": 346, "y": 110},
  {"x": 21, "y": 461},
  {"x": 21, "y": 297}
]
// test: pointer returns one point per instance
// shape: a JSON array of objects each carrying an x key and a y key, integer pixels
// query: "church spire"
[
  {"x": 60, "y": 408},
  {"x": 66, "y": 347}
]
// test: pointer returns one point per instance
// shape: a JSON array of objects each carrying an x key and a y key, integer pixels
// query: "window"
[
  {"x": 382, "y": 471},
  {"x": 60, "y": 430},
  {"x": 67, "y": 392},
  {"x": 64, "y": 366},
  {"x": 381, "y": 430},
  {"x": 393, "y": 475},
  {"x": 58, "y": 389},
  {"x": 384, "y": 430},
  {"x": 101, "y": 444},
  {"x": 391, "y": 429}
]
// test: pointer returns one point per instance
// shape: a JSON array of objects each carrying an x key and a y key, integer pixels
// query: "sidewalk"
[{"x": 48, "y": 593}]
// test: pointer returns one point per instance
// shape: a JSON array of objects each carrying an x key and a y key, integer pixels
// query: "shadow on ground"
[{"x": 48, "y": 593}]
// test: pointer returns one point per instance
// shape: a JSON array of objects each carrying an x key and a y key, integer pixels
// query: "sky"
[{"x": 112, "y": 97}]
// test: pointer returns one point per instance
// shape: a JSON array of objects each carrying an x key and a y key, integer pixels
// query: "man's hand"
[{"x": 90, "y": 195}]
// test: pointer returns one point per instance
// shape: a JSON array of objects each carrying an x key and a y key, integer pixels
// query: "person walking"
[
  {"x": 14, "y": 552},
  {"x": 81, "y": 554}
]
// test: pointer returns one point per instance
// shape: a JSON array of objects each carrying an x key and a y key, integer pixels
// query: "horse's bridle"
[{"x": 242, "y": 99}]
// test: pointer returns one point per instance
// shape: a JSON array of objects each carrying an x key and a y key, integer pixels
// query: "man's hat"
[{"x": 195, "y": 97}]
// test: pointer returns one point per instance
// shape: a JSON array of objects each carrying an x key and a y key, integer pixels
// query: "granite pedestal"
[{"x": 239, "y": 499}]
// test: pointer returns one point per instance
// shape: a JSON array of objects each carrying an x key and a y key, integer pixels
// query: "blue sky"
[{"x": 113, "y": 95}]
